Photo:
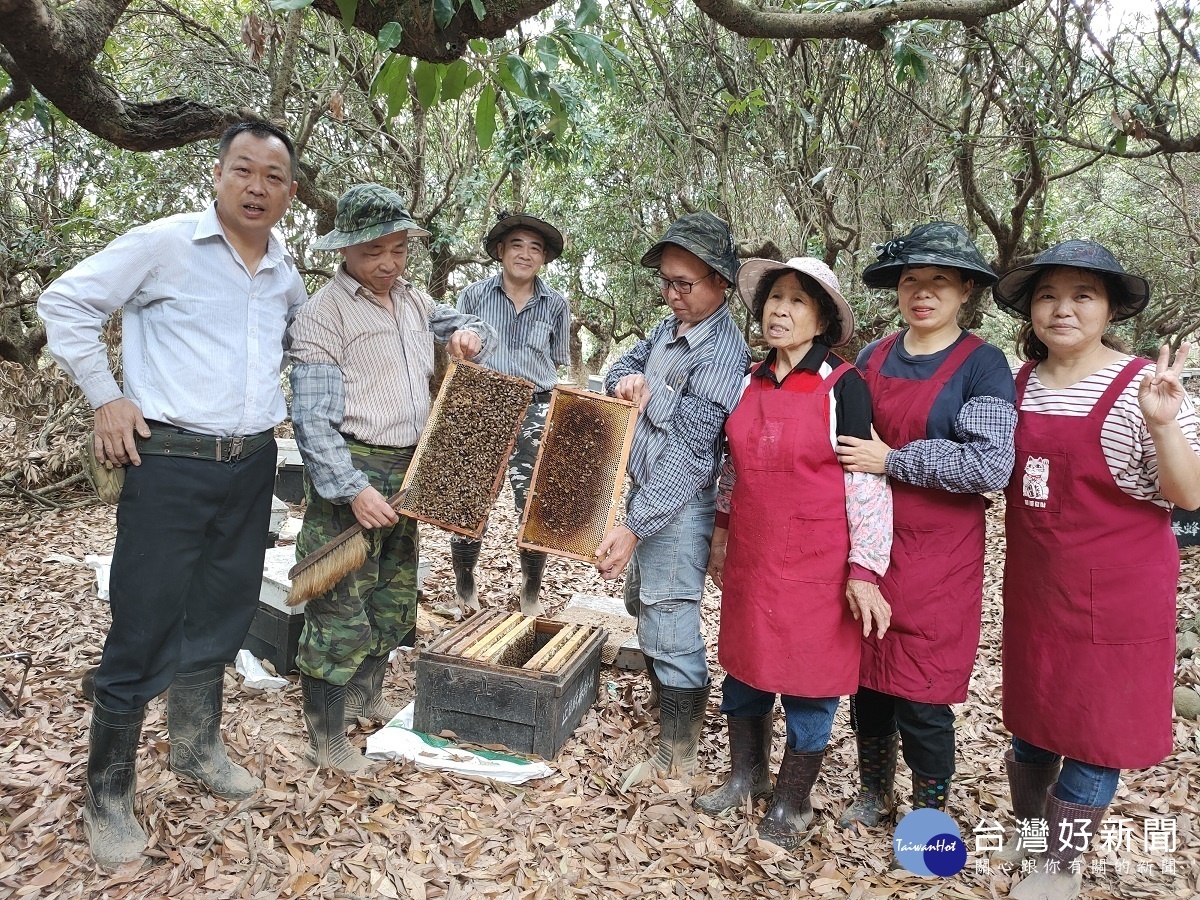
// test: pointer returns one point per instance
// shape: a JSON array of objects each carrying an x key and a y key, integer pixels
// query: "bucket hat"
[
  {"x": 753, "y": 271},
  {"x": 703, "y": 235},
  {"x": 934, "y": 244},
  {"x": 507, "y": 222},
  {"x": 365, "y": 213},
  {"x": 1015, "y": 290}
]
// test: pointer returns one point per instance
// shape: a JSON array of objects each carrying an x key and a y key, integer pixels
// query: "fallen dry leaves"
[{"x": 401, "y": 833}]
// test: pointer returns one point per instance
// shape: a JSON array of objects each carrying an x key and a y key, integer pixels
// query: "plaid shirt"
[
  {"x": 361, "y": 372},
  {"x": 533, "y": 341},
  {"x": 695, "y": 382}
]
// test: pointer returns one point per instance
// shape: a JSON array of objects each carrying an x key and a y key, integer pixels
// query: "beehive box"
[
  {"x": 274, "y": 633},
  {"x": 525, "y": 710},
  {"x": 460, "y": 460},
  {"x": 579, "y": 474}
]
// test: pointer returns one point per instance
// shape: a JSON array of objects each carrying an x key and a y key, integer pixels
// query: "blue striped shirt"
[
  {"x": 695, "y": 382},
  {"x": 534, "y": 341},
  {"x": 202, "y": 338}
]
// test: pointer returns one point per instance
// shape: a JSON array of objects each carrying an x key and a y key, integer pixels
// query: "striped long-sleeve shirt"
[{"x": 695, "y": 381}]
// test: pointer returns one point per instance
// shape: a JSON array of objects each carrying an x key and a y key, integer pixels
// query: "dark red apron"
[
  {"x": 934, "y": 582},
  {"x": 785, "y": 624},
  {"x": 1089, "y": 596}
]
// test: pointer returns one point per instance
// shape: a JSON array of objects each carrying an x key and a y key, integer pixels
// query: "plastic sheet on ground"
[{"x": 254, "y": 675}]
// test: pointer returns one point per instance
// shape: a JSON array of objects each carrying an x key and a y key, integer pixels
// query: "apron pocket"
[
  {"x": 812, "y": 554},
  {"x": 1130, "y": 606}
]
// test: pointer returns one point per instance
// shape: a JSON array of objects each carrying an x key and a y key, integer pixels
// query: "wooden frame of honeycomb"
[
  {"x": 579, "y": 474},
  {"x": 458, "y": 467}
]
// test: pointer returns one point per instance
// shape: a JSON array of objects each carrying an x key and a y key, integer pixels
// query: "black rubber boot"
[
  {"x": 364, "y": 692},
  {"x": 791, "y": 812},
  {"x": 463, "y": 557},
  {"x": 749, "y": 764},
  {"x": 87, "y": 684},
  {"x": 655, "y": 684},
  {"x": 194, "y": 727},
  {"x": 1027, "y": 784},
  {"x": 930, "y": 793},
  {"x": 877, "y": 775},
  {"x": 1052, "y": 879},
  {"x": 324, "y": 715},
  {"x": 533, "y": 563},
  {"x": 108, "y": 822},
  {"x": 681, "y": 719}
]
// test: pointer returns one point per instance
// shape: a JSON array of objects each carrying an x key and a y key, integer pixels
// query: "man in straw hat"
[
  {"x": 362, "y": 351},
  {"x": 687, "y": 377},
  {"x": 535, "y": 321},
  {"x": 206, "y": 299}
]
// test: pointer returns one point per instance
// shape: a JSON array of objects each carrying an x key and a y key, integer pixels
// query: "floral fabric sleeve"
[{"x": 869, "y": 511}]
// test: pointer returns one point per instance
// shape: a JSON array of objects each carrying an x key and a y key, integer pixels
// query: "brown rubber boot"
[
  {"x": 681, "y": 719},
  {"x": 194, "y": 727},
  {"x": 108, "y": 821},
  {"x": 876, "y": 774},
  {"x": 791, "y": 812},
  {"x": 655, "y": 684},
  {"x": 324, "y": 715},
  {"x": 1027, "y": 784},
  {"x": 364, "y": 692},
  {"x": 533, "y": 563},
  {"x": 749, "y": 764},
  {"x": 1053, "y": 878}
]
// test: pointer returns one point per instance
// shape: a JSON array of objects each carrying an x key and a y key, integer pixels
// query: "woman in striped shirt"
[{"x": 1106, "y": 443}]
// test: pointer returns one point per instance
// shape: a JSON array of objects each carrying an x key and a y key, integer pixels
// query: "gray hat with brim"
[
  {"x": 935, "y": 244},
  {"x": 753, "y": 271},
  {"x": 1014, "y": 292},
  {"x": 704, "y": 236},
  {"x": 366, "y": 213},
  {"x": 551, "y": 235}
]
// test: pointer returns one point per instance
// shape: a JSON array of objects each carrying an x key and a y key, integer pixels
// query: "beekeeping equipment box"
[
  {"x": 274, "y": 633},
  {"x": 526, "y": 710}
]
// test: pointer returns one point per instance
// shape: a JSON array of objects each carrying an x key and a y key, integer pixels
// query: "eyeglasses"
[{"x": 681, "y": 287}]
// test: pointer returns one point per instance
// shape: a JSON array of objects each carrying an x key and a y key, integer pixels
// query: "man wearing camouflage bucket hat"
[
  {"x": 943, "y": 409},
  {"x": 535, "y": 322},
  {"x": 362, "y": 354},
  {"x": 686, "y": 376}
]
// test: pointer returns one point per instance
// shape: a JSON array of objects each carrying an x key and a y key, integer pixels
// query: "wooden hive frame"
[
  {"x": 423, "y": 456},
  {"x": 534, "y": 534}
]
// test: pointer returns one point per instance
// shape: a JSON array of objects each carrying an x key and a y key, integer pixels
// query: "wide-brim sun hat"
[
  {"x": 507, "y": 222},
  {"x": 367, "y": 212},
  {"x": 1014, "y": 292},
  {"x": 753, "y": 271},
  {"x": 704, "y": 236},
  {"x": 934, "y": 244}
]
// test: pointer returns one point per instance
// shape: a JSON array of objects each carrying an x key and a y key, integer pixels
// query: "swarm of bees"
[
  {"x": 459, "y": 463},
  {"x": 579, "y": 475}
]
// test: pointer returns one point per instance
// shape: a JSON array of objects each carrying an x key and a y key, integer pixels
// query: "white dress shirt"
[{"x": 202, "y": 339}]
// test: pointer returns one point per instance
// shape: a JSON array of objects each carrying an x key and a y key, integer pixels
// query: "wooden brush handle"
[{"x": 395, "y": 502}]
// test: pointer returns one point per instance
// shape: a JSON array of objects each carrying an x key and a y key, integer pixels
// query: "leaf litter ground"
[{"x": 397, "y": 832}]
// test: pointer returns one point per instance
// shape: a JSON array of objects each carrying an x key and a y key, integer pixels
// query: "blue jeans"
[
  {"x": 1080, "y": 783},
  {"x": 809, "y": 719},
  {"x": 663, "y": 587}
]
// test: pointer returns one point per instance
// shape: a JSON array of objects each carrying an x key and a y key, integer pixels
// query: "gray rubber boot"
[
  {"x": 463, "y": 557},
  {"x": 1027, "y": 784},
  {"x": 749, "y": 764},
  {"x": 364, "y": 692},
  {"x": 533, "y": 563},
  {"x": 324, "y": 716},
  {"x": 108, "y": 821},
  {"x": 681, "y": 719},
  {"x": 194, "y": 727},
  {"x": 1053, "y": 879},
  {"x": 791, "y": 812}
]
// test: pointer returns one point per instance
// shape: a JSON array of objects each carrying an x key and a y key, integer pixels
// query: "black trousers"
[
  {"x": 186, "y": 571},
  {"x": 926, "y": 729}
]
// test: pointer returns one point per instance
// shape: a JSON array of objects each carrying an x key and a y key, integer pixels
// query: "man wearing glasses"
[{"x": 686, "y": 376}]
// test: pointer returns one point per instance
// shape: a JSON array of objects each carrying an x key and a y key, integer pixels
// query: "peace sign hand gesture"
[{"x": 1160, "y": 395}]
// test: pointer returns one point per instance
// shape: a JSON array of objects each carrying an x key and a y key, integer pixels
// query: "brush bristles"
[{"x": 324, "y": 574}]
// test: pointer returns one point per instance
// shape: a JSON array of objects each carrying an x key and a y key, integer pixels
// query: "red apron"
[
  {"x": 1089, "y": 596},
  {"x": 934, "y": 581},
  {"x": 785, "y": 624}
]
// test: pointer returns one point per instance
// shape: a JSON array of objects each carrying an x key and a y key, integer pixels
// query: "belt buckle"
[{"x": 234, "y": 450}]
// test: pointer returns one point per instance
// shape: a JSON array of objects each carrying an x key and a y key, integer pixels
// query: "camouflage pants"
[
  {"x": 370, "y": 611},
  {"x": 521, "y": 462}
]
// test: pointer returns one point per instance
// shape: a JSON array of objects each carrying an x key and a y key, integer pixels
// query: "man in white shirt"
[{"x": 206, "y": 299}]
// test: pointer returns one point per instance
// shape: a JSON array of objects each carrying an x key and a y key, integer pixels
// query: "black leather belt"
[
  {"x": 542, "y": 396},
  {"x": 167, "y": 440}
]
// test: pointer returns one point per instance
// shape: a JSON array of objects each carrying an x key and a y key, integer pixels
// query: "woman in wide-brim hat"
[
  {"x": 798, "y": 545},
  {"x": 944, "y": 412},
  {"x": 1106, "y": 443}
]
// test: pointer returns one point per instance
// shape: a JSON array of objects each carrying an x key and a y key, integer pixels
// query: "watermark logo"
[{"x": 927, "y": 842}]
